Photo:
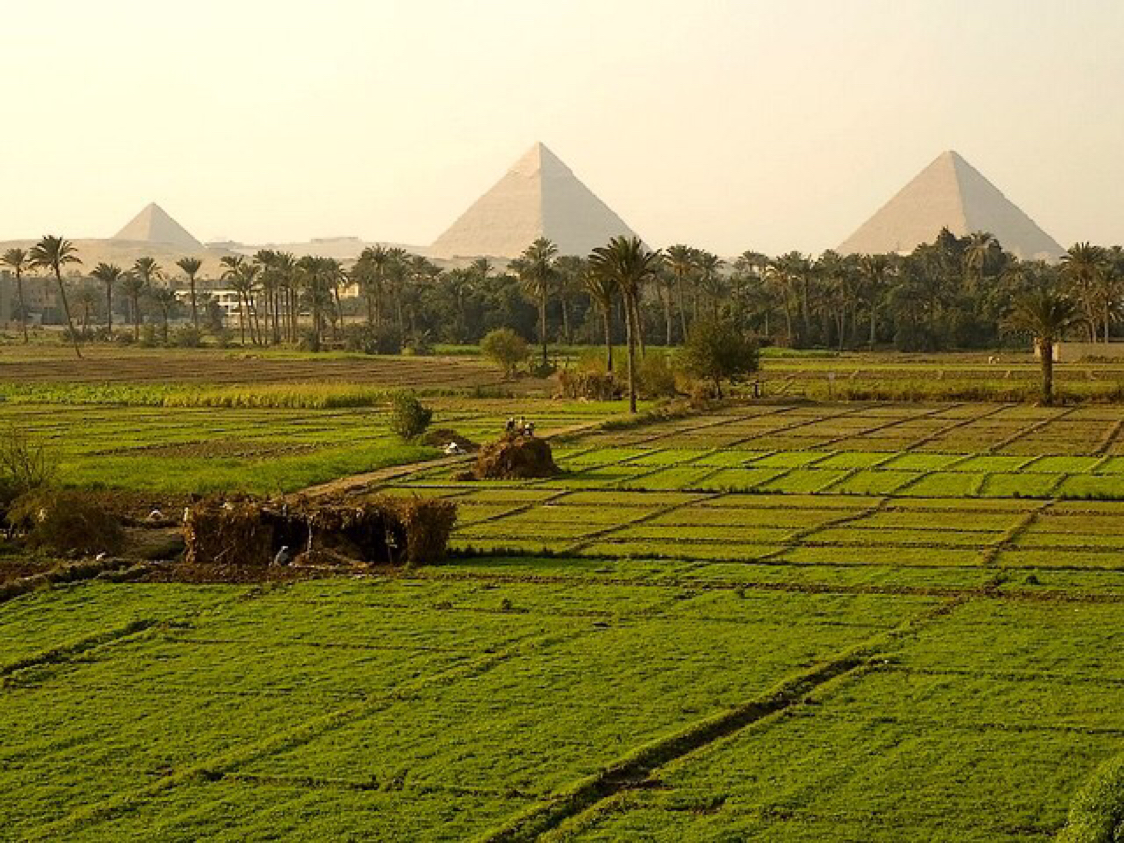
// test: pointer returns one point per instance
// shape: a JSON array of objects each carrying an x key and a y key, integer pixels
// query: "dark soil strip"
[
  {"x": 74, "y": 572},
  {"x": 68, "y": 651},
  {"x": 634, "y": 769}
]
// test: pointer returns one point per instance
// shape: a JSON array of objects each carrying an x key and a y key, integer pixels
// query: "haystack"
[{"x": 515, "y": 458}]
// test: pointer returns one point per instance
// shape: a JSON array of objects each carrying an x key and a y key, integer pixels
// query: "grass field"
[{"x": 777, "y": 622}]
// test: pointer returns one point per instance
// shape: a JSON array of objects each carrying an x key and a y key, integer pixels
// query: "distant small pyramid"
[
  {"x": 539, "y": 197},
  {"x": 153, "y": 225},
  {"x": 950, "y": 193}
]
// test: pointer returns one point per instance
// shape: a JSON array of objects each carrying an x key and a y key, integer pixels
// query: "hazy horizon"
[{"x": 727, "y": 125}]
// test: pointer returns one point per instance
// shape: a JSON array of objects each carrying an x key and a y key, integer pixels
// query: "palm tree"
[
  {"x": 54, "y": 253},
  {"x": 133, "y": 285},
  {"x": 681, "y": 261},
  {"x": 108, "y": 274},
  {"x": 629, "y": 264},
  {"x": 981, "y": 246},
  {"x": 86, "y": 298},
  {"x": 536, "y": 270},
  {"x": 1085, "y": 267},
  {"x": 710, "y": 281},
  {"x": 17, "y": 261},
  {"x": 165, "y": 300},
  {"x": 603, "y": 290},
  {"x": 191, "y": 267},
  {"x": 1046, "y": 315},
  {"x": 875, "y": 271}
]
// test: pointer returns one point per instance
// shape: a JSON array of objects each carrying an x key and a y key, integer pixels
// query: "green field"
[{"x": 777, "y": 622}]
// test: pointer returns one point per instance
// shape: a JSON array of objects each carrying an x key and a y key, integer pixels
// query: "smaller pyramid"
[
  {"x": 950, "y": 193},
  {"x": 538, "y": 197},
  {"x": 153, "y": 225}
]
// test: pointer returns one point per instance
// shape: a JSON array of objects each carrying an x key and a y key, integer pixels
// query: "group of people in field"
[{"x": 520, "y": 428}]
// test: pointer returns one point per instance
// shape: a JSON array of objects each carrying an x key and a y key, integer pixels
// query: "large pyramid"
[
  {"x": 539, "y": 197},
  {"x": 153, "y": 225},
  {"x": 950, "y": 193}
]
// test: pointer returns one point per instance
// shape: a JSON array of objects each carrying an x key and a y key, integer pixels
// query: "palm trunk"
[
  {"x": 136, "y": 317},
  {"x": 1046, "y": 353},
  {"x": 66, "y": 310},
  {"x": 23, "y": 307},
  {"x": 109, "y": 308},
  {"x": 542, "y": 325},
  {"x": 194, "y": 305},
  {"x": 631, "y": 339},
  {"x": 682, "y": 309},
  {"x": 873, "y": 311},
  {"x": 667, "y": 316},
  {"x": 607, "y": 315}
]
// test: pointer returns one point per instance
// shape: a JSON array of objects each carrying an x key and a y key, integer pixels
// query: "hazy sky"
[{"x": 764, "y": 124}]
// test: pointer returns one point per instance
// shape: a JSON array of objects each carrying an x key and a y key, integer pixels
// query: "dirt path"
[{"x": 360, "y": 482}]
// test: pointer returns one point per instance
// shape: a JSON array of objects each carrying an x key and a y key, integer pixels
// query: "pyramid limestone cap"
[
  {"x": 153, "y": 225},
  {"x": 538, "y": 197},
  {"x": 950, "y": 193}
]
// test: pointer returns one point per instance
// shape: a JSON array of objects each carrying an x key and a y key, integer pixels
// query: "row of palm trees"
[{"x": 950, "y": 293}]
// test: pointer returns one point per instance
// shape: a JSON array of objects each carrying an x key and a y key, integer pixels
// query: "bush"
[
  {"x": 365, "y": 339},
  {"x": 147, "y": 336},
  {"x": 223, "y": 337},
  {"x": 655, "y": 376},
  {"x": 420, "y": 345},
  {"x": 593, "y": 386},
  {"x": 66, "y": 521},
  {"x": 25, "y": 466},
  {"x": 716, "y": 351},
  {"x": 187, "y": 337},
  {"x": 506, "y": 349},
  {"x": 408, "y": 416},
  {"x": 309, "y": 341}
]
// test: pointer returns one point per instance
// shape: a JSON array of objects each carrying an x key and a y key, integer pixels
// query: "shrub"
[
  {"x": 506, "y": 349},
  {"x": 25, "y": 466},
  {"x": 223, "y": 337},
  {"x": 147, "y": 336},
  {"x": 594, "y": 386},
  {"x": 309, "y": 340},
  {"x": 408, "y": 416},
  {"x": 187, "y": 337},
  {"x": 716, "y": 351},
  {"x": 655, "y": 376},
  {"x": 365, "y": 339},
  {"x": 66, "y": 521},
  {"x": 419, "y": 344}
]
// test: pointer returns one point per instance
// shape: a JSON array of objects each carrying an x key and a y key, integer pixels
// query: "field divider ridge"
[
  {"x": 1028, "y": 430},
  {"x": 954, "y": 425},
  {"x": 216, "y": 767},
  {"x": 635, "y": 769}
]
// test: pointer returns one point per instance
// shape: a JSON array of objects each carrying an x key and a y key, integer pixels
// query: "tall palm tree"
[
  {"x": 630, "y": 264},
  {"x": 191, "y": 267},
  {"x": 86, "y": 298},
  {"x": 536, "y": 270},
  {"x": 1085, "y": 267},
  {"x": 133, "y": 286},
  {"x": 681, "y": 262},
  {"x": 875, "y": 270},
  {"x": 982, "y": 245},
  {"x": 164, "y": 299},
  {"x": 602, "y": 289},
  {"x": 1046, "y": 315},
  {"x": 54, "y": 253},
  {"x": 108, "y": 274},
  {"x": 17, "y": 261},
  {"x": 711, "y": 281}
]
